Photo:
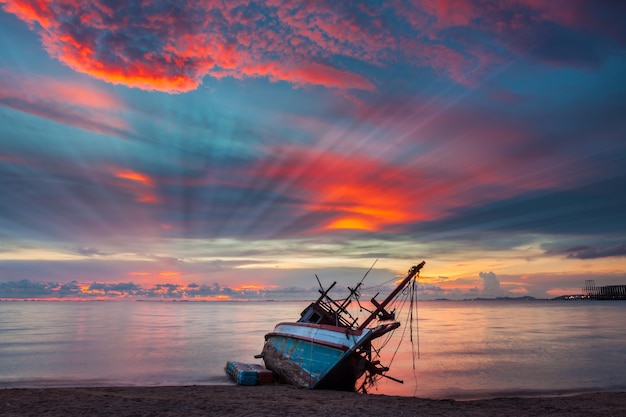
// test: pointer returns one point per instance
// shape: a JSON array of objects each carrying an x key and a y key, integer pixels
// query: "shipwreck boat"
[{"x": 327, "y": 348}]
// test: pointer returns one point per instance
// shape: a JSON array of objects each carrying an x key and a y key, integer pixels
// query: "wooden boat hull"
[
  {"x": 327, "y": 348},
  {"x": 315, "y": 356}
]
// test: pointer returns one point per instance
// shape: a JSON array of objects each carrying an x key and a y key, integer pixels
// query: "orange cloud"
[
  {"x": 457, "y": 286},
  {"x": 366, "y": 204},
  {"x": 135, "y": 176},
  {"x": 556, "y": 292},
  {"x": 350, "y": 222},
  {"x": 141, "y": 185},
  {"x": 169, "y": 274},
  {"x": 143, "y": 277},
  {"x": 219, "y": 298},
  {"x": 345, "y": 190},
  {"x": 251, "y": 287}
]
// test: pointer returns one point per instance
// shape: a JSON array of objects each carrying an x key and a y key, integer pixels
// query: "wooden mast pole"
[{"x": 380, "y": 307}]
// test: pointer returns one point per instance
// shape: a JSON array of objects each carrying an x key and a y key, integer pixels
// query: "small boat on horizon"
[{"x": 327, "y": 348}]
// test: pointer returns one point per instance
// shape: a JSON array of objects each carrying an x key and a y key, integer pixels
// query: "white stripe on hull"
[{"x": 322, "y": 335}]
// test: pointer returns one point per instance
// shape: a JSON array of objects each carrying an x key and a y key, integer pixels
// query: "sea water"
[{"x": 450, "y": 349}]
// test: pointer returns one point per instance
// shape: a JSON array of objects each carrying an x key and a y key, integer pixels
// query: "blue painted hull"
[
  {"x": 313, "y": 358},
  {"x": 313, "y": 361},
  {"x": 327, "y": 348}
]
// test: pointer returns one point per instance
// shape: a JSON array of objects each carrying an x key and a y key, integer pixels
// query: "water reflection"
[
  {"x": 465, "y": 349},
  {"x": 469, "y": 349}
]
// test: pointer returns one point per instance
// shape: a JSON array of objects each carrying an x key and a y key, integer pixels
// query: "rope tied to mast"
[{"x": 413, "y": 306}]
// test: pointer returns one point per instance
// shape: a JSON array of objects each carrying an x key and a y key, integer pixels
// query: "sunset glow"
[
  {"x": 231, "y": 151},
  {"x": 135, "y": 176}
]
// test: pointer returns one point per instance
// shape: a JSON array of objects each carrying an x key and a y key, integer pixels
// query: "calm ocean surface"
[{"x": 466, "y": 349}]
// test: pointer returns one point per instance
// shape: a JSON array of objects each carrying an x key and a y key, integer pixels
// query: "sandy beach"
[{"x": 272, "y": 400}]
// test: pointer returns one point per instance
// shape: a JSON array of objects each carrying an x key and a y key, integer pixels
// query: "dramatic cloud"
[
  {"x": 345, "y": 190},
  {"x": 478, "y": 135},
  {"x": 171, "y": 46}
]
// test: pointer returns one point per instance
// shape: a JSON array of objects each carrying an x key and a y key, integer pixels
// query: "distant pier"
[{"x": 607, "y": 292}]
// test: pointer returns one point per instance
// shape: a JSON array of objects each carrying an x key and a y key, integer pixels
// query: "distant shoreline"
[{"x": 183, "y": 300}]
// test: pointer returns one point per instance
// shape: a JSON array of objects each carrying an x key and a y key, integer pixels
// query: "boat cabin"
[{"x": 315, "y": 314}]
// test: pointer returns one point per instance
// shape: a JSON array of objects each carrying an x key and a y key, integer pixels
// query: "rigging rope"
[
  {"x": 408, "y": 294},
  {"x": 403, "y": 299},
  {"x": 416, "y": 321},
  {"x": 414, "y": 289}
]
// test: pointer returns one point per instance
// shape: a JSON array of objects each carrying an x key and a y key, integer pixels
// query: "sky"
[{"x": 235, "y": 150}]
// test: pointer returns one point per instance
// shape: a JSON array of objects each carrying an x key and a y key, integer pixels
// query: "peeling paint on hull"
[
  {"x": 327, "y": 348},
  {"x": 309, "y": 365}
]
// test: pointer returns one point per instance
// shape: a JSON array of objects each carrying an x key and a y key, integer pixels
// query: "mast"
[{"x": 380, "y": 307}]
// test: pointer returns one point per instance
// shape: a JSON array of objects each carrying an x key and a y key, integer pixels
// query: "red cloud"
[
  {"x": 67, "y": 102},
  {"x": 135, "y": 176},
  {"x": 171, "y": 47},
  {"x": 348, "y": 193},
  {"x": 140, "y": 184},
  {"x": 317, "y": 74},
  {"x": 157, "y": 47},
  {"x": 461, "y": 157}
]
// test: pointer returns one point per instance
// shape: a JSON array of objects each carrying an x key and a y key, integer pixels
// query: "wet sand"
[{"x": 282, "y": 400}]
